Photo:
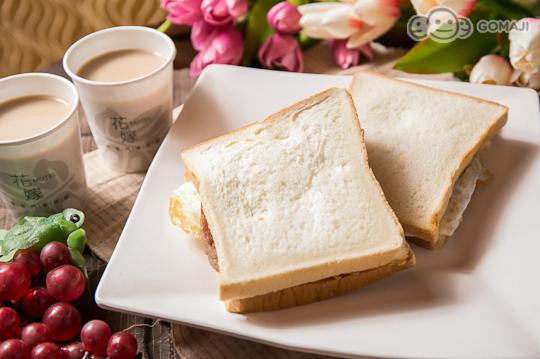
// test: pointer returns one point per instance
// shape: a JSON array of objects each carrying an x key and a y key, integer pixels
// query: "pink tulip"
[
  {"x": 225, "y": 48},
  {"x": 182, "y": 12},
  {"x": 202, "y": 34},
  {"x": 284, "y": 17},
  {"x": 221, "y": 12},
  {"x": 346, "y": 57},
  {"x": 282, "y": 52}
]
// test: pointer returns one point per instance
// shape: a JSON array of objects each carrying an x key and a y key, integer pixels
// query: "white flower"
[
  {"x": 359, "y": 21},
  {"x": 327, "y": 20},
  {"x": 525, "y": 45},
  {"x": 460, "y": 7},
  {"x": 526, "y": 79},
  {"x": 492, "y": 69},
  {"x": 377, "y": 16}
]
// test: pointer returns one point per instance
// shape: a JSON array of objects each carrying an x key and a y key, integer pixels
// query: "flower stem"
[{"x": 165, "y": 26}]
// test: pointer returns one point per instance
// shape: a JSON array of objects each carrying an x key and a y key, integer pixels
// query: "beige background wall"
[{"x": 36, "y": 33}]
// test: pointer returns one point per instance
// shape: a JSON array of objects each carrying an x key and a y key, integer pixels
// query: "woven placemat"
[{"x": 110, "y": 199}]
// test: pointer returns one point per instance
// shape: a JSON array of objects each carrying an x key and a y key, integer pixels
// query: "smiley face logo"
[
  {"x": 417, "y": 27},
  {"x": 466, "y": 27},
  {"x": 441, "y": 24}
]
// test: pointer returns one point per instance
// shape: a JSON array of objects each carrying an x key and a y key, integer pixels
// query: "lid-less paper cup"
[
  {"x": 128, "y": 119},
  {"x": 44, "y": 172}
]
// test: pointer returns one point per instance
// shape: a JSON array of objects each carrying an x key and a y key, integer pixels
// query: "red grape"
[
  {"x": 46, "y": 351},
  {"x": 30, "y": 258},
  {"x": 10, "y": 323},
  {"x": 53, "y": 255},
  {"x": 35, "y": 333},
  {"x": 122, "y": 345},
  {"x": 73, "y": 350},
  {"x": 64, "y": 321},
  {"x": 14, "y": 281},
  {"x": 14, "y": 349},
  {"x": 36, "y": 301},
  {"x": 65, "y": 283},
  {"x": 95, "y": 335}
]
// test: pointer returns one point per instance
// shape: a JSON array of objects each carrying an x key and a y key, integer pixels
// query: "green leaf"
[
  {"x": 504, "y": 8},
  {"x": 431, "y": 57},
  {"x": 257, "y": 29}
]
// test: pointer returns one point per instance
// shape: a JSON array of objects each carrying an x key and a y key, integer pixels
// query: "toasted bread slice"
[
  {"x": 419, "y": 141},
  {"x": 320, "y": 290},
  {"x": 291, "y": 200},
  {"x": 304, "y": 293}
]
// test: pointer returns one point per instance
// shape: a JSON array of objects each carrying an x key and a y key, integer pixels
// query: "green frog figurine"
[{"x": 35, "y": 232}]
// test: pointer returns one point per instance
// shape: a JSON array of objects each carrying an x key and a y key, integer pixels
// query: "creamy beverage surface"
[
  {"x": 30, "y": 115},
  {"x": 120, "y": 65},
  {"x": 46, "y": 174}
]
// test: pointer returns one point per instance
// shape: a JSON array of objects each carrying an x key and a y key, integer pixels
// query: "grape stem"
[{"x": 142, "y": 325}]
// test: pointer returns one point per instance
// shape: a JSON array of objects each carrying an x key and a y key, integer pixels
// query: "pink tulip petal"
[
  {"x": 284, "y": 18},
  {"x": 202, "y": 34},
  {"x": 221, "y": 12},
  {"x": 237, "y": 8},
  {"x": 226, "y": 47},
  {"x": 343, "y": 56},
  {"x": 367, "y": 51},
  {"x": 281, "y": 52},
  {"x": 183, "y": 12}
]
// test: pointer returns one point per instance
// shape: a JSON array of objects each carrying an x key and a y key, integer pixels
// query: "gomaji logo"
[{"x": 443, "y": 25}]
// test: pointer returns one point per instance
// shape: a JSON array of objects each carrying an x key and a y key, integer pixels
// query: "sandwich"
[
  {"x": 288, "y": 208},
  {"x": 425, "y": 146}
]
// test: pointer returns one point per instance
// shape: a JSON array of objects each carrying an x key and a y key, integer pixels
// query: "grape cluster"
[{"x": 41, "y": 321}]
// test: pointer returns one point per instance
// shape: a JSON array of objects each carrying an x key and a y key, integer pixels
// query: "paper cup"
[
  {"x": 43, "y": 173},
  {"x": 128, "y": 119}
]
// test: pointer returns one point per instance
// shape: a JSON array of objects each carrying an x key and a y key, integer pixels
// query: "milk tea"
[
  {"x": 30, "y": 115},
  {"x": 120, "y": 65},
  {"x": 41, "y": 167}
]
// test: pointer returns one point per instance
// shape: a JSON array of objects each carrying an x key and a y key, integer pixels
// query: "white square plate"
[{"x": 477, "y": 297}]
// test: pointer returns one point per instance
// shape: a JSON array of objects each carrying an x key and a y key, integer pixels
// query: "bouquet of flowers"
[{"x": 275, "y": 34}]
